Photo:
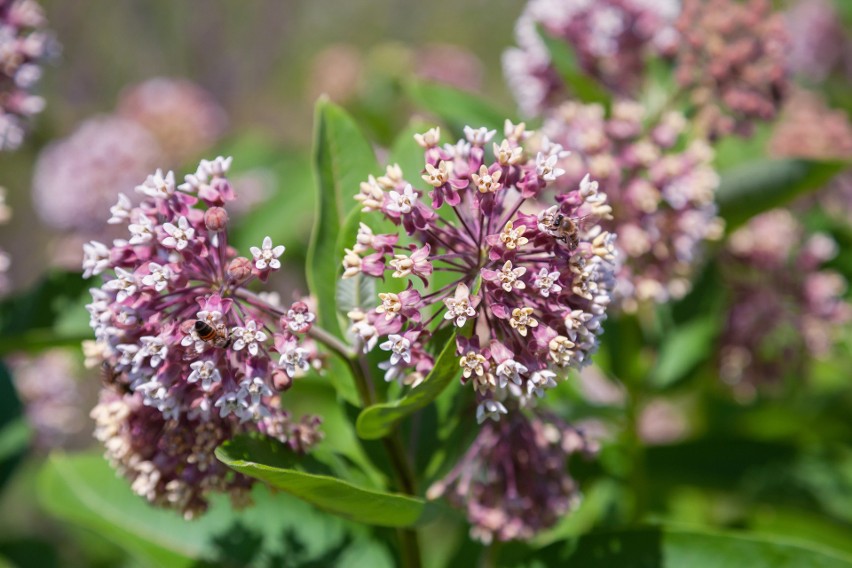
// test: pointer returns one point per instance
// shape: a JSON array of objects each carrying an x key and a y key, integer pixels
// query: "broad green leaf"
[
  {"x": 563, "y": 58},
  {"x": 755, "y": 187},
  {"x": 27, "y": 319},
  {"x": 270, "y": 462},
  {"x": 14, "y": 431},
  {"x": 407, "y": 152},
  {"x": 455, "y": 107},
  {"x": 378, "y": 421},
  {"x": 684, "y": 348},
  {"x": 356, "y": 292},
  {"x": 342, "y": 159},
  {"x": 661, "y": 547},
  {"x": 85, "y": 491}
]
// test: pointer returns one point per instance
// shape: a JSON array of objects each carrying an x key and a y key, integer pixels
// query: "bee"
[
  {"x": 112, "y": 379},
  {"x": 216, "y": 335},
  {"x": 562, "y": 227}
]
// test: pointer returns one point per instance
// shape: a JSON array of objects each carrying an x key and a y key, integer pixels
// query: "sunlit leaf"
[
  {"x": 683, "y": 349},
  {"x": 270, "y": 462},
  {"x": 455, "y": 107},
  {"x": 379, "y": 420}
]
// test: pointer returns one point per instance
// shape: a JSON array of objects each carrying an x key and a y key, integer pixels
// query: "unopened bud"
[
  {"x": 239, "y": 269},
  {"x": 215, "y": 219},
  {"x": 281, "y": 380}
]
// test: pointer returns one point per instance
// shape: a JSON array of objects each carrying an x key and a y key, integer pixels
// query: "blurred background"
[{"x": 735, "y": 430}]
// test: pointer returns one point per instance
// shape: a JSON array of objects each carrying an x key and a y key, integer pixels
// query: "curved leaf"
[
  {"x": 378, "y": 420},
  {"x": 85, "y": 490},
  {"x": 758, "y": 186},
  {"x": 342, "y": 159},
  {"x": 684, "y": 348},
  {"x": 457, "y": 108},
  {"x": 269, "y": 462},
  {"x": 563, "y": 58},
  {"x": 663, "y": 547}
]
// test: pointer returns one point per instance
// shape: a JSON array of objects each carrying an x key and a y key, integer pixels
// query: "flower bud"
[
  {"x": 215, "y": 219},
  {"x": 281, "y": 380},
  {"x": 239, "y": 269}
]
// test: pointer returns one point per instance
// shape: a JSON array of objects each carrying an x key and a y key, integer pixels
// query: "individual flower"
[
  {"x": 184, "y": 118},
  {"x": 24, "y": 45},
  {"x": 786, "y": 309},
  {"x": 513, "y": 481},
  {"x": 660, "y": 189},
  {"x": 731, "y": 61},
  {"x": 193, "y": 356},
  {"x": 480, "y": 239},
  {"x": 612, "y": 39},
  {"x": 79, "y": 177}
]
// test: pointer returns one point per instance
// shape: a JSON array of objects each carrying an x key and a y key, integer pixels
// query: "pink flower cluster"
[
  {"x": 818, "y": 43},
  {"x": 662, "y": 196},
  {"x": 809, "y": 128},
  {"x": 732, "y": 62},
  {"x": 196, "y": 356},
  {"x": 23, "y": 46},
  {"x": 5, "y": 260},
  {"x": 513, "y": 481},
  {"x": 611, "y": 39},
  {"x": 786, "y": 308},
  {"x": 525, "y": 286}
]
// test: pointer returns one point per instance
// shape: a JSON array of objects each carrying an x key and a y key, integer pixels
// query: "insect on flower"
[{"x": 216, "y": 335}]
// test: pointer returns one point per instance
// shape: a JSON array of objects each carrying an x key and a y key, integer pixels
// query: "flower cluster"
[
  {"x": 195, "y": 355},
  {"x": 662, "y": 197},
  {"x": 525, "y": 286},
  {"x": 818, "y": 42},
  {"x": 184, "y": 118},
  {"x": 808, "y": 128},
  {"x": 24, "y": 44},
  {"x": 77, "y": 178},
  {"x": 5, "y": 260},
  {"x": 611, "y": 38},
  {"x": 513, "y": 480},
  {"x": 732, "y": 62},
  {"x": 785, "y": 308}
]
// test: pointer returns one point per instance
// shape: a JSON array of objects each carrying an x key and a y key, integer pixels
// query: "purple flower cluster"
[
  {"x": 5, "y": 260},
  {"x": 786, "y": 308},
  {"x": 818, "y": 43},
  {"x": 611, "y": 38},
  {"x": 525, "y": 285},
  {"x": 732, "y": 61},
  {"x": 513, "y": 480},
  {"x": 196, "y": 357},
  {"x": 808, "y": 128},
  {"x": 660, "y": 187},
  {"x": 23, "y": 46}
]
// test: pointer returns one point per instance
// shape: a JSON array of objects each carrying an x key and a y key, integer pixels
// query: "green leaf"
[
  {"x": 84, "y": 490},
  {"x": 755, "y": 187},
  {"x": 563, "y": 58},
  {"x": 455, "y": 107},
  {"x": 15, "y": 433},
  {"x": 662, "y": 547},
  {"x": 378, "y": 420},
  {"x": 684, "y": 348},
  {"x": 269, "y": 461},
  {"x": 27, "y": 319},
  {"x": 342, "y": 159},
  {"x": 406, "y": 152}
]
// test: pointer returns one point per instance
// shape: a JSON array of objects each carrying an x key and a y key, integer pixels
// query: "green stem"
[{"x": 403, "y": 473}]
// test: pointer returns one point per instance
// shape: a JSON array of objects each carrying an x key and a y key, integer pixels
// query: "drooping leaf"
[
  {"x": 378, "y": 420},
  {"x": 755, "y": 187},
  {"x": 563, "y": 58},
  {"x": 342, "y": 159},
  {"x": 84, "y": 490},
  {"x": 455, "y": 107},
  {"x": 662, "y": 547},
  {"x": 269, "y": 462}
]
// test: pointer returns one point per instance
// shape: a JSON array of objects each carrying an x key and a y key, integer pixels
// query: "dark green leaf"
[
  {"x": 457, "y": 108},
  {"x": 84, "y": 490},
  {"x": 14, "y": 431},
  {"x": 272, "y": 463},
  {"x": 657, "y": 547},
  {"x": 755, "y": 187},
  {"x": 378, "y": 421},
  {"x": 563, "y": 58},
  {"x": 342, "y": 159}
]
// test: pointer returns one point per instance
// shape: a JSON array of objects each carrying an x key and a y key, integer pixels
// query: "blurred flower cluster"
[
  {"x": 24, "y": 45},
  {"x": 513, "y": 481},
  {"x": 534, "y": 281},
  {"x": 786, "y": 308},
  {"x": 190, "y": 356},
  {"x": 660, "y": 186},
  {"x": 819, "y": 45},
  {"x": 158, "y": 121},
  {"x": 5, "y": 260}
]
